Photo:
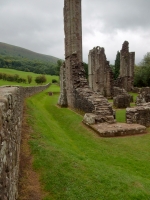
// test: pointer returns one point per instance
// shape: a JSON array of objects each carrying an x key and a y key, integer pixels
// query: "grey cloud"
[
  {"x": 38, "y": 25},
  {"x": 118, "y": 14}
]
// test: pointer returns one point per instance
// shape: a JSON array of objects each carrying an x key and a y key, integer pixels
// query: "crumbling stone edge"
[{"x": 11, "y": 111}]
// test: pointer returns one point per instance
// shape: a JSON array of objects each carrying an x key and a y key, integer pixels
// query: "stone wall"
[
  {"x": 11, "y": 109},
  {"x": 144, "y": 96},
  {"x": 121, "y": 101},
  {"x": 139, "y": 115},
  {"x": 145, "y": 91},
  {"x": 127, "y": 62},
  {"x": 100, "y": 73},
  {"x": 82, "y": 96}
]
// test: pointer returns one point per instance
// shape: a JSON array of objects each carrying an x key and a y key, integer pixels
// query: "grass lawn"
[
  {"x": 23, "y": 74},
  {"x": 75, "y": 163}
]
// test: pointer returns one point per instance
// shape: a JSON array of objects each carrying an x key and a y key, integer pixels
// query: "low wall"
[
  {"x": 11, "y": 111},
  {"x": 139, "y": 115}
]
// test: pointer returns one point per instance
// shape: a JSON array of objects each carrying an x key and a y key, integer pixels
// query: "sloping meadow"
[{"x": 75, "y": 163}]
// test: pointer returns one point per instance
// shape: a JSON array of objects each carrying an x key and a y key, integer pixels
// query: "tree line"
[
  {"x": 141, "y": 71},
  {"x": 35, "y": 66}
]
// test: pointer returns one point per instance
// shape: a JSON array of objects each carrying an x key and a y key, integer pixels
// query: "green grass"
[
  {"x": 75, "y": 163},
  {"x": 134, "y": 95},
  {"x": 23, "y": 74},
  {"x": 121, "y": 115}
]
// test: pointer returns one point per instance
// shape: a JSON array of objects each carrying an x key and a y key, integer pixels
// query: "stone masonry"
[
  {"x": 11, "y": 110},
  {"x": 139, "y": 115},
  {"x": 75, "y": 89},
  {"x": 127, "y": 62},
  {"x": 121, "y": 98},
  {"x": 100, "y": 73},
  {"x": 144, "y": 96}
]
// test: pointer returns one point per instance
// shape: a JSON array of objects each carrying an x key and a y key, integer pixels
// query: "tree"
[
  {"x": 29, "y": 78},
  {"x": 142, "y": 72},
  {"x": 117, "y": 65},
  {"x": 59, "y": 64},
  {"x": 85, "y": 65}
]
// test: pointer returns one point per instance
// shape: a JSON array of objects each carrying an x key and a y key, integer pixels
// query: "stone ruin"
[
  {"x": 99, "y": 72},
  {"x": 121, "y": 98},
  {"x": 141, "y": 113},
  {"x": 144, "y": 96},
  {"x": 127, "y": 62},
  {"x": 75, "y": 90}
]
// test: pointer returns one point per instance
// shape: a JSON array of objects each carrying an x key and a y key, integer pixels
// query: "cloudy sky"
[{"x": 37, "y": 25}]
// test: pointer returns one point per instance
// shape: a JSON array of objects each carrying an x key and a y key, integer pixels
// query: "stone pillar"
[
  {"x": 124, "y": 59},
  {"x": 73, "y": 43},
  {"x": 73, "y": 28},
  {"x": 127, "y": 60}
]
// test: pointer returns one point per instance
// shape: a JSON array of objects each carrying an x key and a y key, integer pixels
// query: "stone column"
[
  {"x": 73, "y": 28},
  {"x": 73, "y": 43}
]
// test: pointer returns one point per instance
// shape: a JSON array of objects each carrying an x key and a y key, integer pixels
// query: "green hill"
[{"x": 11, "y": 50}]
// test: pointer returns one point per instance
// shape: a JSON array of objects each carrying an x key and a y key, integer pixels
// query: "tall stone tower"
[
  {"x": 73, "y": 28},
  {"x": 73, "y": 44}
]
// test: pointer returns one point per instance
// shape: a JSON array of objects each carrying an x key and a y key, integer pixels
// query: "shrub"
[
  {"x": 40, "y": 79},
  {"x": 54, "y": 81}
]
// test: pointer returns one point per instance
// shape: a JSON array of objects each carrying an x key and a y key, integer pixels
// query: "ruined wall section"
[
  {"x": 100, "y": 73},
  {"x": 87, "y": 100},
  {"x": 11, "y": 109},
  {"x": 127, "y": 62},
  {"x": 139, "y": 115}
]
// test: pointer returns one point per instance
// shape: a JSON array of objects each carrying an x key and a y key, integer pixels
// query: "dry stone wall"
[{"x": 11, "y": 109}]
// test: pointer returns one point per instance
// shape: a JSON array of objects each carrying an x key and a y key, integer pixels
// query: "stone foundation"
[
  {"x": 11, "y": 109},
  {"x": 118, "y": 129}
]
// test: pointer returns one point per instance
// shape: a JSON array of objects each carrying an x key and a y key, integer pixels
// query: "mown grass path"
[{"x": 75, "y": 163}]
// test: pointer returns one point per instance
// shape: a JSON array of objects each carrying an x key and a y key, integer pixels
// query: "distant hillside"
[{"x": 11, "y": 50}]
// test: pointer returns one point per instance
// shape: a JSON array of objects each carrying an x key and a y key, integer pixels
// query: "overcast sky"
[{"x": 37, "y": 25}]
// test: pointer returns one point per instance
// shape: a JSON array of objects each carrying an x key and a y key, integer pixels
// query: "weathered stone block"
[
  {"x": 121, "y": 101},
  {"x": 89, "y": 118},
  {"x": 139, "y": 115}
]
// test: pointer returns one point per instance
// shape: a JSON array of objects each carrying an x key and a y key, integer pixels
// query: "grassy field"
[
  {"x": 75, "y": 163},
  {"x": 23, "y": 75}
]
